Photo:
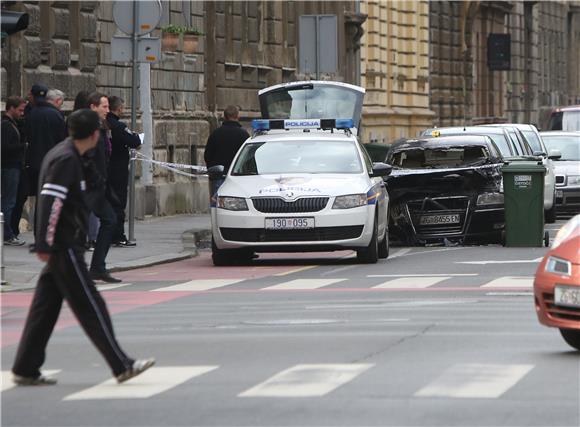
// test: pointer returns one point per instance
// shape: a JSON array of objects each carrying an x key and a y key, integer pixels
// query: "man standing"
[
  {"x": 224, "y": 143},
  {"x": 61, "y": 227},
  {"x": 97, "y": 197},
  {"x": 56, "y": 98},
  {"x": 122, "y": 139},
  {"x": 12, "y": 161},
  {"x": 45, "y": 128}
]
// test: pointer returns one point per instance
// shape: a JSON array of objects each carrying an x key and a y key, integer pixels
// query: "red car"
[{"x": 557, "y": 284}]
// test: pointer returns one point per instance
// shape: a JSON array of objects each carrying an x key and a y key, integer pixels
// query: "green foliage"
[
  {"x": 192, "y": 30},
  {"x": 180, "y": 29}
]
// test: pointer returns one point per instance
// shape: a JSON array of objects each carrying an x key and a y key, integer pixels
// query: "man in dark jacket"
[
  {"x": 224, "y": 143},
  {"x": 96, "y": 169},
  {"x": 12, "y": 160},
  {"x": 122, "y": 139},
  {"x": 45, "y": 127}
]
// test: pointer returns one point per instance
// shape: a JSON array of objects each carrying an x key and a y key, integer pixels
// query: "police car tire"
[
  {"x": 220, "y": 257},
  {"x": 384, "y": 246},
  {"x": 370, "y": 254}
]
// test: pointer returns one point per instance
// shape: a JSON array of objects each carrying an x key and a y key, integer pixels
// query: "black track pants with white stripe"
[{"x": 66, "y": 277}]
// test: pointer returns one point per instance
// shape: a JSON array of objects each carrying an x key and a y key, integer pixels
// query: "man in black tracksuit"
[
  {"x": 122, "y": 139},
  {"x": 61, "y": 228},
  {"x": 224, "y": 143}
]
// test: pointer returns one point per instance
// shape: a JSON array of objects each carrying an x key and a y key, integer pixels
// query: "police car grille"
[
  {"x": 319, "y": 234},
  {"x": 278, "y": 205}
]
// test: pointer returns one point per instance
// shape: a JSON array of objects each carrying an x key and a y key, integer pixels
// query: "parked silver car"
[{"x": 567, "y": 144}]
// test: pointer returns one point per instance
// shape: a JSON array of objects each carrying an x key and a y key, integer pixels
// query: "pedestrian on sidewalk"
[
  {"x": 12, "y": 164},
  {"x": 122, "y": 140},
  {"x": 223, "y": 144},
  {"x": 61, "y": 227},
  {"x": 97, "y": 197}
]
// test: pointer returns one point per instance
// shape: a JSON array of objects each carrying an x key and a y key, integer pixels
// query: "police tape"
[{"x": 174, "y": 167}]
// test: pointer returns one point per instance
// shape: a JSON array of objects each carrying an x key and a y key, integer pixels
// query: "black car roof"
[
  {"x": 429, "y": 142},
  {"x": 473, "y": 130}
]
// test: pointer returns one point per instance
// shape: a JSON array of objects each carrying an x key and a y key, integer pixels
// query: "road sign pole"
[{"x": 133, "y": 122}]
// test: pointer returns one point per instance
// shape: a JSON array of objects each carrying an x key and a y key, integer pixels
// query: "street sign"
[
  {"x": 148, "y": 49},
  {"x": 318, "y": 44},
  {"x": 148, "y": 16}
]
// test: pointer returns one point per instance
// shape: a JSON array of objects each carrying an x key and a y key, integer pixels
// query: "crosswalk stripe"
[
  {"x": 473, "y": 380},
  {"x": 510, "y": 282},
  {"x": 7, "y": 382},
  {"x": 198, "y": 285},
  {"x": 307, "y": 380},
  {"x": 304, "y": 284},
  {"x": 149, "y": 383},
  {"x": 411, "y": 282},
  {"x": 111, "y": 287}
]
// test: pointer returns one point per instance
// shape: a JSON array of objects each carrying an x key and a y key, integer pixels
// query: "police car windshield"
[
  {"x": 440, "y": 157},
  {"x": 282, "y": 157}
]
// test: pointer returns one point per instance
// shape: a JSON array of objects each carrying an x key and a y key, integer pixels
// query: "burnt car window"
[{"x": 439, "y": 157}]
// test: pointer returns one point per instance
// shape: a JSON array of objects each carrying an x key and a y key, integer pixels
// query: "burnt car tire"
[
  {"x": 370, "y": 254},
  {"x": 572, "y": 337},
  {"x": 384, "y": 246}
]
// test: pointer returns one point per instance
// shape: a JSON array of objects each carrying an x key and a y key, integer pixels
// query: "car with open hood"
[
  {"x": 445, "y": 190},
  {"x": 302, "y": 181},
  {"x": 557, "y": 284}
]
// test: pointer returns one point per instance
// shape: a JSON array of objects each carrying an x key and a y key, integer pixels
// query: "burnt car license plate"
[{"x": 439, "y": 219}]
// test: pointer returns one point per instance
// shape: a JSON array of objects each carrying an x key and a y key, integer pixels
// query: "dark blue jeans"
[
  {"x": 108, "y": 220},
  {"x": 10, "y": 178}
]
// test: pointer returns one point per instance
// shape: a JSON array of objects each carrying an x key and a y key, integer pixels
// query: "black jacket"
[
  {"x": 224, "y": 143},
  {"x": 96, "y": 166},
  {"x": 62, "y": 215},
  {"x": 12, "y": 147},
  {"x": 122, "y": 139},
  {"x": 45, "y": 127}
]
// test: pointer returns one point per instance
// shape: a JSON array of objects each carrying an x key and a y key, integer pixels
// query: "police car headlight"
[
  {"x": 573, "y": 179},
  {"x": 558, "y": 266},
  {"x": 490, "y": 199},
  {"x": 350, "y": 201},
  {"x": 232, "y": 203}
]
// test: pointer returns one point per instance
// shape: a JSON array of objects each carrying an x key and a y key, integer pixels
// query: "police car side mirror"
[
  {"x": 216, "y": 172},
  {"x": 555, "y": 154},
  {"x": 381, "y": 169}
]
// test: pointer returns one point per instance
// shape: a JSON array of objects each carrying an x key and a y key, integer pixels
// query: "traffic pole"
[{"x": 133, "y": 124}]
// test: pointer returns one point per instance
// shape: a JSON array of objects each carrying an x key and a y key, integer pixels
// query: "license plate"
[
  {"x": 439, "y": 219},
  {"x": 568, "y": 296},
  {"x": 289, "y": 223},
  {"x": 559, "y": 194}
]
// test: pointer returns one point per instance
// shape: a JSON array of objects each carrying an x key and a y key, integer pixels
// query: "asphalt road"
[{"x": 440, "y": 336}]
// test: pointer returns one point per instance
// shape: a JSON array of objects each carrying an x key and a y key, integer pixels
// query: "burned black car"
[{"x": 445, "y": 190}]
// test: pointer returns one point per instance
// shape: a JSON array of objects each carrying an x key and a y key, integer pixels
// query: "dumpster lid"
[{"x": 523, "y": 166}]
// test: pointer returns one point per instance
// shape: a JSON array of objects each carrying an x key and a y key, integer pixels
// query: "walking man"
[
  {"x": 12, "y": 162},
  {"x": 122, "y": 139},
  {"x": 61, "y": 227},
  {"x": 224, "y": 143}
]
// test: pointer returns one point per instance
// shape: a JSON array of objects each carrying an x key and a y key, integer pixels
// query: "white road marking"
[
  {"x": 513, "y": 261},
  {"x": 110, "y": 287},
  {"x": 424, "y": 275},
  {"x": 296, "y": 270},
  {"x": 411, "y": 282},
  {"x": 7, "y": 382},
  {"x": 338, "y": 270},
  {"x": 303, "y": 284},
  {"x": 149, "y": 383},
  {"x": 510, "y": 282},
  {"x": 400, "y": 252},
  {"x": 307, "y": 380},
  {"x": 473, "y": 380},
  {"x": 198, "y": 285}
]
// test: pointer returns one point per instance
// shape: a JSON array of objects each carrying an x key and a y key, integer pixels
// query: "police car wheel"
[
  {"x": 384, "y": 246},
  {"x": 220, "y": 257},
  {"x": 370, "y": 254}
]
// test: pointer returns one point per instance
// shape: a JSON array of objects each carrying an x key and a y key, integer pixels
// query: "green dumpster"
[{"x": 523, "y": 186}]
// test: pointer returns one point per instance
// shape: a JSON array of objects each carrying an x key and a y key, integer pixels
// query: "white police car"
[{"x": 302, "y": 183}]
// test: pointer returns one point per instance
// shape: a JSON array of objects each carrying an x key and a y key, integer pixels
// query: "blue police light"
[
  {"x": 344, "y": 123},
  {"x": 260, "y": 124}
]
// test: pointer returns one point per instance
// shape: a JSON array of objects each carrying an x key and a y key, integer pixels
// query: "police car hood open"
[
  {"x": 313, "y": 100},
  {"x": 293, "y": 186}
]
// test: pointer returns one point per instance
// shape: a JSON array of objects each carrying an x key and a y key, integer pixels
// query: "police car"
[{"x": 302, "y": 183}]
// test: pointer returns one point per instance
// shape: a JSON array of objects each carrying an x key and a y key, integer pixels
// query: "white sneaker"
[{"x": 139, "y": 366}]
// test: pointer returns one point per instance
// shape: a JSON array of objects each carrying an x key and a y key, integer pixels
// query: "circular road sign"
[{"x": 148, "y": 15}]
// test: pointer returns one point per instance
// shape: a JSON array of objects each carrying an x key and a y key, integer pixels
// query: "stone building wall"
[{"x": 395, "y": 70}]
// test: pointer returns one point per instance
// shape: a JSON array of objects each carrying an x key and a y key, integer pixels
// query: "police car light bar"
[{"x": 264, "y": 124}]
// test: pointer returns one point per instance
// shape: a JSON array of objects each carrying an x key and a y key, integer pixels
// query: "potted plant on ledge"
[
  {"x": 190, "y": 39},
  {"x": 170, "y": 37}
]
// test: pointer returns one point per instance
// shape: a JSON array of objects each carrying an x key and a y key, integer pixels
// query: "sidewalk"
[{"x": 159, "y": 240}]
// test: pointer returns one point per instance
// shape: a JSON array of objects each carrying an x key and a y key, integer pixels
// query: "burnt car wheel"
[
  {"x": 384, "y": 246},
  {"x": 572, "y": 337},
  {"x": 370, "y": 254}
]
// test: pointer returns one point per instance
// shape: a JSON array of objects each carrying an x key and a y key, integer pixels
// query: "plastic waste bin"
[{"x": 523, "y": 186}]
